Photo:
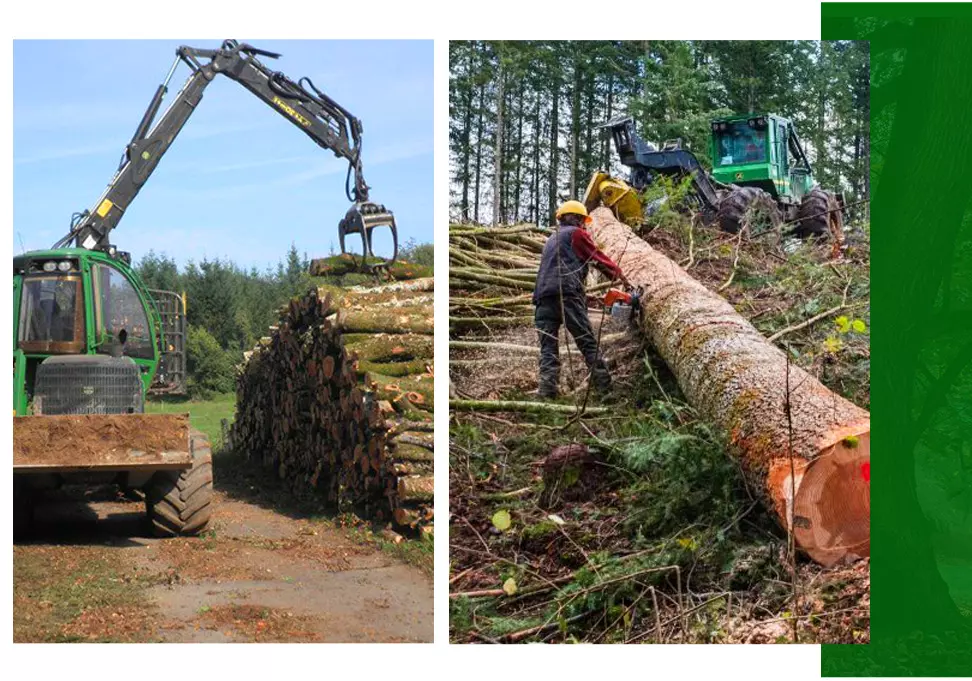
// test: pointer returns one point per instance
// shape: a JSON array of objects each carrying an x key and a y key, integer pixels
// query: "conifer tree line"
[
  {"x": 230, "y": 307},
  {"x": 524, "y": 114}
]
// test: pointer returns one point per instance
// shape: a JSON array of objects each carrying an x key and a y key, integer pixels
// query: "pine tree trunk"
[
  {"x": 518, "y": 163},
  {"x": 606, "y": 142},
  {"x": 742, "y": 383},
  {"x": 820, "y": 163},
  {"x": 466, "y": 135},
  {"x": 498, "y": 150},
  {"x": 575, "y": 125},
  {"x": 589, "y": 127},
  {"x": 479, "y": 150},
  {"x": 537, "y": 135},
  {"x": 554, "y": 152}
]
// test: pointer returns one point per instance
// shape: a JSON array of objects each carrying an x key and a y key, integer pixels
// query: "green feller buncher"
[
  {"x": 761, "y": 177},
  {"x": 91, "y": 340}
]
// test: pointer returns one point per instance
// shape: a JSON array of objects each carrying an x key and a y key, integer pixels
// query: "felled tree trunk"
[{"x": 739, "y": 381}]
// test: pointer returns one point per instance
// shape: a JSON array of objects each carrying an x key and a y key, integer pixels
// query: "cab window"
[
  {"x": 119, "y": 314},
  {"x": 51, "y": 315},
  {"x": 739, "y": 144}
]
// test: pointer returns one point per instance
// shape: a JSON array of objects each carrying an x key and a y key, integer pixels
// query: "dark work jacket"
[{"x": 561, "y": 270}]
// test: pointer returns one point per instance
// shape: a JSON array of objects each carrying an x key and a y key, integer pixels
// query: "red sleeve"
[{"x": 587, "y": 250}]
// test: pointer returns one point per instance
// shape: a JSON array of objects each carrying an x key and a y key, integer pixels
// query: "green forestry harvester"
[
  {"x": 761, "y": 177},
  {"x": 91, "y": 340}
]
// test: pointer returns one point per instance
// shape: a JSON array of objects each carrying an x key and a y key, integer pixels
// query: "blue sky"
[{"x": 239, "y": 182}]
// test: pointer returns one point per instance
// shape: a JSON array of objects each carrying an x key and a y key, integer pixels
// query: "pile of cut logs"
[{"x": 338, "y": 399}]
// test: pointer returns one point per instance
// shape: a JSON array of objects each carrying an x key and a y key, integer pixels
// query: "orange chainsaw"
[{"x": 621, "y": 304}]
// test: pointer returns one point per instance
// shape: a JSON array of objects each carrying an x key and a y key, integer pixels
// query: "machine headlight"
[
  {"x": 64, "y": 265},
  {"x": 50, "y": 266}
]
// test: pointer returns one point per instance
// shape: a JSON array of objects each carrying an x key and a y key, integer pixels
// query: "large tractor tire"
[
  {"x": 818, "y": 215},
  {"x": 748, "y": 206},
  {"x": 180, "y": 503}
]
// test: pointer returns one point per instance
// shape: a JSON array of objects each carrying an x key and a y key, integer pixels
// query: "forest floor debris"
[
  {"x": 269, "y": 569},
  {"x": 664, "y": 543}
]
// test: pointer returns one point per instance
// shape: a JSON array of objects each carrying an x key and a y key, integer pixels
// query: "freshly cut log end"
[
  {"x": 303, "y": 410},
  {"x": 832, "y": 513}
]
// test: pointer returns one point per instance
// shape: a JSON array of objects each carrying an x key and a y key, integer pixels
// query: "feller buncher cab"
[
  {"x": 761, "y": 151},
  {"x": 90, "y": 340},
  {"x": 761, "y": 177}
]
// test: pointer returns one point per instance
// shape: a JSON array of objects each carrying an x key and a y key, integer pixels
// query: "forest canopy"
[{"x": 524, "y": 114}]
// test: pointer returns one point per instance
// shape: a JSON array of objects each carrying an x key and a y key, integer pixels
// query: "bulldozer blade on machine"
[
  {"x": 92, "y": 443},
  {"x": 363, "y": 218}
]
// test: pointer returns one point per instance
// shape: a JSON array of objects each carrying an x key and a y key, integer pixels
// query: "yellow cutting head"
[{"x": 617, "y": 195}]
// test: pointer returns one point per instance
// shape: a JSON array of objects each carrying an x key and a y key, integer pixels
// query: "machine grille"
[{"x": 88, "y": 384}]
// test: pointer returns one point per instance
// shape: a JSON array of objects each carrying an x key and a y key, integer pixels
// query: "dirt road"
[{"x": 92, "y": 571}]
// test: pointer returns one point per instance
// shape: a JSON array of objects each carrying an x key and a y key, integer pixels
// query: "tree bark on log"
[
  {"x": 304, "y": 407},
  {"x": 739, "y": 381}
]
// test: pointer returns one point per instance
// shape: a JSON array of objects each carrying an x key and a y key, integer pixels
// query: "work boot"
[
  {"x": 547, "y": 390},
  {"x": 601, "y": 379}
]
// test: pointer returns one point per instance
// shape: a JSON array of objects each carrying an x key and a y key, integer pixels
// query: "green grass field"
[{"x": 203, "y": 414}]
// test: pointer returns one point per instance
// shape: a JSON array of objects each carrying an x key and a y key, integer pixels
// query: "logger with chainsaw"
[{"x": 560, "y": 298}]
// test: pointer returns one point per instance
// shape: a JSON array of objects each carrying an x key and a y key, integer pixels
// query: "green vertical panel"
[{"x": 921, "y": 338}]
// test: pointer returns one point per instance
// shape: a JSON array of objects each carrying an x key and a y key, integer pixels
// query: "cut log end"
[{"x": 835, "y": 499}]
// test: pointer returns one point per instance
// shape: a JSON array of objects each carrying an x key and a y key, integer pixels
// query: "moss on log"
[
  {"x": 739, "y": 381},
  {"x": 388, "y": 347},
  {"x": 339, "y": 265}
]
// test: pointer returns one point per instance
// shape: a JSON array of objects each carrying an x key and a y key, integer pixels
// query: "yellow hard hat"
[{"x": 573, "y": 207}]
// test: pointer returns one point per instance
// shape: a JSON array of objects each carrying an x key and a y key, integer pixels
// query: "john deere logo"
[{"x": 738, "y": 176}]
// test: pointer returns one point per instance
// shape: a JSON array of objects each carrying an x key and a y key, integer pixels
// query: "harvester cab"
[
  {"x": 90, "y": 344},
  {"x": 74, "y": 302},
  {"x": 761, "y": 177}
]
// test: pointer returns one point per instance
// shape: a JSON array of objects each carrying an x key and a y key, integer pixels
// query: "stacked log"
[
  {"x": 805, "y": 449},
  {"x": 492, "y": 272},
  {"x": 338, "y": 399},
  {"x": 340, "y": 265}
]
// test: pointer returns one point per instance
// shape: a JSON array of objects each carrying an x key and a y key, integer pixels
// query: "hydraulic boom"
[{"x": 322, "y": 119}]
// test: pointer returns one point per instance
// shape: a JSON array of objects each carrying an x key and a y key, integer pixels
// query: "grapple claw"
[{"x": 363, "y": 218}]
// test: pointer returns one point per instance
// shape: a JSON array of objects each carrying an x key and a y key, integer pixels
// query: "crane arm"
[{"x": 325, "y": 121}]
